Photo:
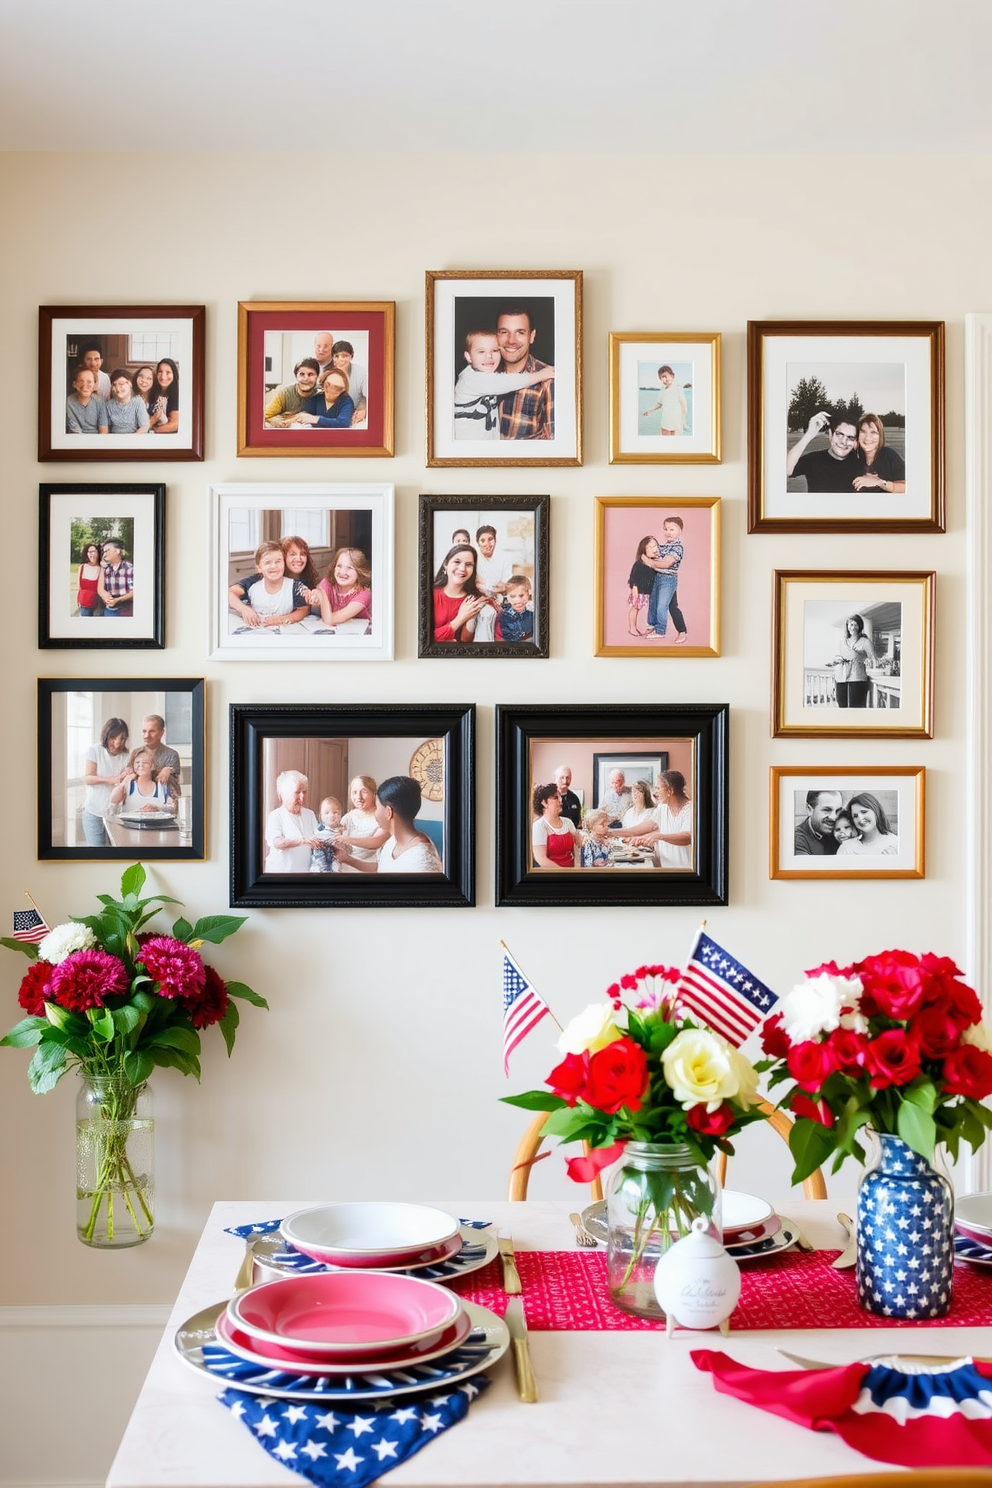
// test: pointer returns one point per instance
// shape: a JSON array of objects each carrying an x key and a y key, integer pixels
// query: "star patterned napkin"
[{"x": 354, "y": 1447}]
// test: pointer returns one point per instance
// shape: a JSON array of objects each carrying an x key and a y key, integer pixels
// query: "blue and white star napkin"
[{"x": 334, "y": 1447}]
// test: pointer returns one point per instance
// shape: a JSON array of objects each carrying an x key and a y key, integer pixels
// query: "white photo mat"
[
  {"x": 697, "y": 445},
  {"x": 64, "y": 509},
  {"x": 906, "y": 784}
]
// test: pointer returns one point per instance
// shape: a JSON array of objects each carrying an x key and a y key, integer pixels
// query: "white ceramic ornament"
[{"x": 696, "y": 1282}]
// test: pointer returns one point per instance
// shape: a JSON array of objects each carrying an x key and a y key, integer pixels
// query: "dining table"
[{"x": 620, "y": 1407}]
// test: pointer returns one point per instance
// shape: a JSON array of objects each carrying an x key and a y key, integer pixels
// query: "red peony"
[
  {"x": 893, "y": 1059},
  {"x": 849, "y": 1050},
  {"x": 211, "y": 1005},
  {"x": 935, "y": 1031},
  {"x": 35, "y": 988},
  {"x": 86, "y": 979},
  {"x": 893, "y": 984},
  {"x": 968, "y": 1072},
  {"x": 710, "y": 1123},
  {"x": 812, "y": 1110},
  {"x": 774, "y": 1039},
  {"x": 810, "y": 1063},
  {"x": 176, "y": 967},
  {"x": 568, "y": 1079},
  {"x": 618, "y": 1076}
]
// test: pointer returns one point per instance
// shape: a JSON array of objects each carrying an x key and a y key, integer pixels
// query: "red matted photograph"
[{"x": 315, "y": 377}]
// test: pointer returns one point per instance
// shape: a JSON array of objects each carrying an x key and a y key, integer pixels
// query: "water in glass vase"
[{"x": 115, "y": 1182}]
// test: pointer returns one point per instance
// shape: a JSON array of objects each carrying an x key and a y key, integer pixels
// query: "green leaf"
[
  {"x": 182, "y": 930},
  {"x": 187, "y": 1064},
  {"x": 534, "y": 1100},
  {"x": 138, "y": 1065},
  {"x": 145, "y": 1002},
  {"x": 27, "y": 948},
  {"x": 47, "y": 1067},
  {"x": 176, "y": 1037},
  {"x": 238, "y": 989},
  {"x": 917, "y": 1128},
  {"x": 810, "y": 1144},
  {"x": 569, "y": 1122},
  {"x": 228, "y": 1026},
  {"x": 126, "y": 1019},
  {"x": 102, "y": 1023},
  {"x": 922, "y": 1093},
  {"x": 216, "y": 928},
  {"x": 132, "y": 880},
  {"x": 25, "y": 1034}
]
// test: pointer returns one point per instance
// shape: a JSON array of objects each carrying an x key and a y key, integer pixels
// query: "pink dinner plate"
[
  {"x": 341, "y": 1313},
  {"x": 257, "y": 1352}
]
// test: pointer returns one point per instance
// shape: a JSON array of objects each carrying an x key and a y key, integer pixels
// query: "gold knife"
[
  {"x": 517, "y": 1324},
  {"x": 511, "y": 1276}
]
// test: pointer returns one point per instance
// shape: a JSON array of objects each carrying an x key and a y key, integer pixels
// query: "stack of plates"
[
  {"x": 973, "y": 1223},
  {"x": 751, "y": 1228}
]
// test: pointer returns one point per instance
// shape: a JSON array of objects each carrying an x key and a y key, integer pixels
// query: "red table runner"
[{"x": 566, "y": 1289}]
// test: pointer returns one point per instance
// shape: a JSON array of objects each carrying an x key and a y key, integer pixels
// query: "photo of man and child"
[
  {"x": 483, "y": 587},
  {"x": 504, "y": 356},
  {"x": 316, "y": 379},
  {"x": 114, "y": 386},
  {"x": 299, "y": 572},
  {"x": 322, "y": 816}
]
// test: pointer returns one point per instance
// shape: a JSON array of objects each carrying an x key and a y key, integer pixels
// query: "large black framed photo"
[
  {"x": 352, "y": 805},
  {"x": 484, "y": 564},
  {"x": 609, "y": 805},
  {"x": 101, "y": 567},
  {"x": 120, "y": 768}
]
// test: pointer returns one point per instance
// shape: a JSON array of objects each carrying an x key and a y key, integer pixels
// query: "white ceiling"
[{"x": 658, "y": 76}]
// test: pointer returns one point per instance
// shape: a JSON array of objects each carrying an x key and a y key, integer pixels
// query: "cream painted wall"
[{"x": 378, "y": 1070}]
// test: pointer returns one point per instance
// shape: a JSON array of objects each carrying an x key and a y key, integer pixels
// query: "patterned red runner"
[{"x": 566, "y": 1289}]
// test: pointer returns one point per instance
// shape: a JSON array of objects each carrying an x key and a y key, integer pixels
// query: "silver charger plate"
[
  {"x": 196, "y": 1344},
  {"x": 594, "y": 1220},
  {"x": 274, "y": 1257}
]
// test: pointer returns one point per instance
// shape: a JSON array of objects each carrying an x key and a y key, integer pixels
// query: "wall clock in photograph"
[{"x": 427, "y": 767}]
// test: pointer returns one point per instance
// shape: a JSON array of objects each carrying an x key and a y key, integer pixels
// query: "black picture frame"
[
  {"x": 518, "y": 728},
  {"x": 477, "y": 511},
  {"x": 252, "y": 725},
  {"x": 180, "y": 701},
  {"x": 61, "y": 507}
]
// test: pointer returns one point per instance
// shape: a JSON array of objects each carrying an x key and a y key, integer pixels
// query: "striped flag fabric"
[
  {"x": 722, "y": 993},
  {"x": 29, "y": 926},
  {"x": 523, "y": 1008}
]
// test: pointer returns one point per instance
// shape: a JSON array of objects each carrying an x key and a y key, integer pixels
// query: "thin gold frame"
[
  {"x": 779, "y": 772},
  {"x": 668, "y": 503},
  {"x": 385, "y": 308},
  {"x": 926, "y": 581},
  {"x": 714, "y": 340},
  {"x": 575, "y": 275}
]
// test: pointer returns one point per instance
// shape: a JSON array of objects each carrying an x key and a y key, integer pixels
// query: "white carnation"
[
  {"x": 590, "y": 1030},
  {"x": 814, "y": 1006},
  {"x": 63, "y": 940}
]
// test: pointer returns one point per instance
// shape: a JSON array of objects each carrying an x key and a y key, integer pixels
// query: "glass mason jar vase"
[
  {"x": 115, "y": 1175},
  {"x": 655, "y": 1193},
  {"x": 905, "y": 1232}
]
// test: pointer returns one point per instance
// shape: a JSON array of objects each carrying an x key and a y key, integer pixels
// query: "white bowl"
[{"x": 369, "y": 1234}]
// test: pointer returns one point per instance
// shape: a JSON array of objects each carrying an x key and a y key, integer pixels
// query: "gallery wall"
[{"x": 378, "y": 1070}]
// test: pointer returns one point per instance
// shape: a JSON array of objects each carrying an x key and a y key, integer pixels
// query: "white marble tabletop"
[{"x": 625, "y": 1408}]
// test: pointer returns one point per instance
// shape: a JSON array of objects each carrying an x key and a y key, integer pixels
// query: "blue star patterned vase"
[{"x": 905, "y": 1234}]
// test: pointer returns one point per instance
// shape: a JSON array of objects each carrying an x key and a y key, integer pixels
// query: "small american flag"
[
  {"x": 723, "y": 993},
  {"x": 523, "y": 1009},
  {"x": 29, "y": 926}
]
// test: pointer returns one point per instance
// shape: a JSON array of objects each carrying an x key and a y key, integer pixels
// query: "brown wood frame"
[{"x": 859, "y": 772}]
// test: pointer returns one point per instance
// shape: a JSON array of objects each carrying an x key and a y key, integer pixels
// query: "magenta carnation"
[
  {"x": 211, "y": 1004},
  {"x": 175, "y": 966},
  {"x": 86, "y": 978},
  {"x": 35, "y": 987}
]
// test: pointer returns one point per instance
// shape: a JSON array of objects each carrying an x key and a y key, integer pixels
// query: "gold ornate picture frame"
[{"x": 665, "y": 397}]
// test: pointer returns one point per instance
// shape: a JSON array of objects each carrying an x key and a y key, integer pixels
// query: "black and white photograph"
[
  {"x": 484, "y": 576},
  {"x": 120, "y": 768},
  {"x": 852, "y": 654},
  {"x": 849, "y": 822}
]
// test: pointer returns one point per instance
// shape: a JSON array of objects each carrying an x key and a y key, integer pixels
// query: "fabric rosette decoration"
[{"x": 895, "y": 1042}]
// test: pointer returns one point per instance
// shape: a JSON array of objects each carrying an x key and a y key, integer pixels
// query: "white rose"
[
  {"x": 702, "y": 1068},
  {"x": 814, "y": 1006},
  {"x": 590, "y": 1030},
  {"x": 747, "y": 1077},
  {"x": 978, "y": 1034},
  {"x": 63, "y": 940}
]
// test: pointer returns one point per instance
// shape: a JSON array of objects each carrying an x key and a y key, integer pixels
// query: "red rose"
[
  {"x": 812, "y": 1110},
  {"x": 710, "y": 1123},
  {"x": 568, "y": 1079},
  {"x": 774, "y": 1039},
  {"x": 968, "y": 1072},
  {"x": 893, "y": 984},
  {"x": 938, "y": 973},
  {"x": 810, "y": 1063},
  {"x": 893, "y": 1059},
  {"x": 848, "y": 1050},
  {"x": 211, "y": 1004},
  {"x": 618, "y": 1076},
  {"x": 830, "y": 968},
  {"x": 935, "y": 1031},
  {"x": 35, "y": 988},
  {"x": 963, "y": 1004}
]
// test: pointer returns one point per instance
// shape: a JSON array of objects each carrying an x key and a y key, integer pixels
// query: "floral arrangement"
[
  {"x": 642, "y": 1069},
  {"x": 895, "y": 1042}
]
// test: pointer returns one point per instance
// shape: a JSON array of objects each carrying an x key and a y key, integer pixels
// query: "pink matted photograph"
[{"x": 657, "y": 576}]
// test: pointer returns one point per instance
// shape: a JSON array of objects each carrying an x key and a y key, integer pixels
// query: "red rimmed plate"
[
  {"x": 371, "y": 1234},
  {"x": 257, "y": 1352},
  {"x": 345, "y": 1313},
  {"x": 742, "y": 1239}
]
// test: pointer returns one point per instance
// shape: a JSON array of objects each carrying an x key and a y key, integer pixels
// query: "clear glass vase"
[
  {"x": 655, "y": 1194},
  {"x": 115, "y": 1173}
]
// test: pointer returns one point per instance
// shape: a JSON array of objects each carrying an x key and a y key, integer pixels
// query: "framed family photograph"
[
  {"x": 504, "y": 367},
  {"x": 664, "y": 397},
  {"x": 101, "y": 574},
  {"x": 301, "y": 572},
  {"x": 609, "y": 805},
  {"x": 852, "y": 655},
  {"x": 845, "y": 426},
  {"x": 352, "y": 805},
  {"x": 484, "y": 566},
  {"x": 120, "y": 768},
  {"x": 120, "y": 382},
  {"x": 657, "y": 576},
  {"x": 315, "y": 377},
  {"x": 851, "y": 821}
]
